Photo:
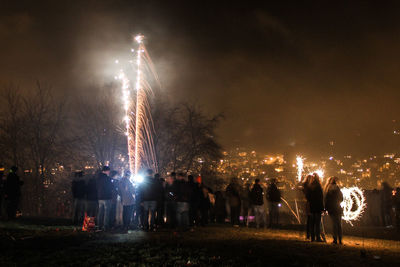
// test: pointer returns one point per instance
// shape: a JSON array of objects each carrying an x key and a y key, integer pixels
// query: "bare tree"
[
  {"x": 185, "y": 139},
  {"x": 100, "y": 127},
  {"x": 44, "y": 134},
  {"x": 11, "y": 123}
]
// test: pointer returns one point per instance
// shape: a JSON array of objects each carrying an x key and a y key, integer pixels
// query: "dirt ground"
[{"x": 23, "y": 244}]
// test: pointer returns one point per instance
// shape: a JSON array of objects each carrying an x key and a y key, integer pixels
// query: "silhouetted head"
[
  {"x": 190, "y": 178},
  {"x": 181, "y": 176},
  {"x": 106, "y": 170},
  {"x": 257, "y": 181},
  {"x": 14, "y": 169},
  {"x": 157, "y": 176},
  {"x": 149, "y": 172},
  {"x": 113, "y": 174},
  {"x": 128, "y": 174}
]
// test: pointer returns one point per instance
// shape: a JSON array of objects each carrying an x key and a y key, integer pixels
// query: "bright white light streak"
[
  {"x": 300, "y": 166},
  {"x": 353, "y": 203}
]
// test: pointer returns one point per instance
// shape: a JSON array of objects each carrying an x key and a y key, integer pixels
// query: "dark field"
[{"x": 34, "y": 244}]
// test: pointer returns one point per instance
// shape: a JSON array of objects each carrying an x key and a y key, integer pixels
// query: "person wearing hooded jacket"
[
  {"x": 257, "y": 203},
  {"x": 333, "y": 198}
]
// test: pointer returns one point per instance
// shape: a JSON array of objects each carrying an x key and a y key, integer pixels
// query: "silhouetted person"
[
  {"x": 182, "y": 192},
  {"x": 386, "y": 203},
  {"x": 12, "y": 192},
  {"x": 79, "y": 194},
  {"x": 160, "y": 200},
  {"x": 150, "y": 191},
  {"x": 2, "y": 182},
  {"x": 273, "y": 197},
  {"x": 333, "y": 198},
  {"x": 396, "y": 204},
  {"x": 257, "y": 203},
  {"x": 233, "y": 196},
  {"x": 305, "y": 186},
  {"x": 126, "y": 192},
  {"x": 246, "y": 209},
  {"x": 104, "y": 194},
  {"x": 220, "y": 207},
  {"x": 91, "y": 197},
  {"x": 315, "y": 200},
  {"x": 114, "y": 199},
  {"x": 194, "y": 201},
  {"x": 204, "y": 204},
  {"x": 170, "y": 204}
]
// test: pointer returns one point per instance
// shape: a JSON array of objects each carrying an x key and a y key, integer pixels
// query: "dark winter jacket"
[
  {"x": 333, "y": 198},
  {"x": 196, "y": 193},
  {"x": 315, "y": 198},
  {"x": 12, "y": 187},
  {"x": 233, "y": 195},
  {"x": 273, "y": 193},
  {"x": 256, "y": 195},
  {"x": 182, "y": 191},
  {"x": 91, "y": 189},
  {"x": 169, "y": 193},
  {"x": 150, "y": 189},
  {"x": 104, "y": 187},
  {"x": 78, "y": 189}
]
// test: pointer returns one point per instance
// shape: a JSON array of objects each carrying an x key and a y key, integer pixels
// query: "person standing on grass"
[
  {"x": 194, "y": 201},
  {"x": 273, "y": 197},
  {"x": 79, "y": 194},
  {"x": 114, "y": 175},
  {"x": 183, "y": 192},
  {"x": 150, "y": 191},
  {"x": 333, "y": 198},
  {"x": 315, "y": 199},
  {"x": 12, "y": 192},
  {"x": 104, "y": 194},
  {"x": 160, "y": 201},
  {"x": 234, "y": 201},
  {"x": 170, "y": 204},
  {"x": 91, "y": 197},
  {"x": 257, "y": 203},
  {"x": 304, "y": 186},
  {"x": 126, "y": 192}
]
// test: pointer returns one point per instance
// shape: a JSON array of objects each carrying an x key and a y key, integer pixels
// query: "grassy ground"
[{"x": 34, "y": 245}]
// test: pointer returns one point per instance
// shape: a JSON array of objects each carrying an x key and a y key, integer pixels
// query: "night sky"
[{"x": 287, "y": 75}]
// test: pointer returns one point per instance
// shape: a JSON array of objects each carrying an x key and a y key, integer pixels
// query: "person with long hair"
[
  {"x": 333, "y": 198},
  {"x": 304, "y": 185},
  {"x": 315, "y": 199}
]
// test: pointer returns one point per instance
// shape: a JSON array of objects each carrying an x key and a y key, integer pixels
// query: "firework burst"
[{"x": 139, "y": 127}]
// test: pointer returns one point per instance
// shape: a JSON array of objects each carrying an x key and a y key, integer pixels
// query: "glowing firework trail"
[
  {"x": 138, "y": 120},
  {"x": 300, "y": 166},
  {"x": 127, "y": 109},
  {"x": 291, "y": 210},
  {"x": 353, "y": 203}
]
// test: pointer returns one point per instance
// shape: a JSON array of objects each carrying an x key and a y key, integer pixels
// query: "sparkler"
[
  {"x": 353, "y": 203},
  {"x": 139, "y": 126},
  {"x": 300, "y": 166}
]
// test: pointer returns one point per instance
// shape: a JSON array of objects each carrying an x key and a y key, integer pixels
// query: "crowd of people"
[{"x": 179, "y": 202}]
